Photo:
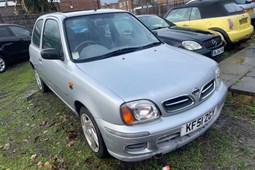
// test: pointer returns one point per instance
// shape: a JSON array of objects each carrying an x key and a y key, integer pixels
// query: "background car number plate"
[
  {"x": 217, "y": 51},
  {"x": 196, "y": 124}
]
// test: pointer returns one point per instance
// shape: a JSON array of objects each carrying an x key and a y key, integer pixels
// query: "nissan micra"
[{"x": 136, "y": 96}]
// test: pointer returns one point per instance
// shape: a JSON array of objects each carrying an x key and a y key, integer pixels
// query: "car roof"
[
  {"x": 62, "y": 15},
  {"x": 204, "y": 3},
  {"x": 207, "y": 7},
  {"x": 6, "y": 24}
]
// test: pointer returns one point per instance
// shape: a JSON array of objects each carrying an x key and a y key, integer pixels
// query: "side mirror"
[
  {"x": 155, "y": 33},
  {"x": 51, "y": 54}
]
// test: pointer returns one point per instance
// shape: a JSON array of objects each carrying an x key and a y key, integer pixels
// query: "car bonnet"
[{"x": 155, "y": 73}]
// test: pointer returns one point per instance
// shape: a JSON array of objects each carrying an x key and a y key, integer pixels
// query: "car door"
[
  {"x": 179, "y": 16},
  {"x": 23, "y": 37},
  {"x": 54, "y": 71}
]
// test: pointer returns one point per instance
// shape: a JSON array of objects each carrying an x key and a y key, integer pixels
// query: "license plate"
[
  {"x": 196, "y": 124},
  {"x": 249, "y": 10},
  {"x": 243, "y": 21},
  {"x": 218, "y": 51}
]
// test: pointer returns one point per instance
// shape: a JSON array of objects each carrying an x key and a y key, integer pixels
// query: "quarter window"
[
  {"x": 36, "y": 38},
  {"x": 51, "y": 36},
  {"x": 177, "y": 15}
]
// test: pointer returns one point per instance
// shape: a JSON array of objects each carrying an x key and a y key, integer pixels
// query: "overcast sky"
[{"x": 108, "y": 1}]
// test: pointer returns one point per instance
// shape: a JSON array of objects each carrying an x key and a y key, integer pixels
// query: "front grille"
[
  {"x": 207, "y": 89},
  {"x": 212, "y": 42},
  {"x": 178, "y": 103}
]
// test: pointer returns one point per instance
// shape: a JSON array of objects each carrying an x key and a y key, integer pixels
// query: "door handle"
[
  {"x": 40, "y": 60},
  {"x": 185, "y": 25}
]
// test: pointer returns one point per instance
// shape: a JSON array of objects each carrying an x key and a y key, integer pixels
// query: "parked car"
[
  {"x": 248, "y": 6},
  {"x": 224, "y": 17},
  {"x": 200, "y": 41},
  {"x": 136, "y": 96},
  {"x": 14, "y": 44}
]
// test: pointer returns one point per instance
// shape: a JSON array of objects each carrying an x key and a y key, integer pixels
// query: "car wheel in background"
[
  {"x": 42, "y": 86},
  {"x": 3, "y": 64},
  {"x": 92, "y": 133}
]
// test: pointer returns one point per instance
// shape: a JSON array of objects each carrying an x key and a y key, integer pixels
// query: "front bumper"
[{"x": 140, "y": 142}]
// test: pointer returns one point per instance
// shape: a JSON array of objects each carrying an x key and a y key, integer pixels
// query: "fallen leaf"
[
  {"x": 43, "y": 123},
  {"x": 53, "y": 123},
  {"x": 89, "y": 160},
  {"x": 48, "y": 165},
  {"x": 71, "y": 143},
  {"x": 33, "y": 156},
  {"x": 36, "y": 138},
  {"x": 25, "y": 140},
  {"x": 40, "y": 163},
  {"x": 57, "y": 113},
  {"x": 27, "y": 124},
  {"x": 45, "y": 131},
  {"x": 71, "y": 134},
  {"x": 7, "y": 146}
]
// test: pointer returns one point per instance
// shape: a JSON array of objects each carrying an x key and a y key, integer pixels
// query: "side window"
[
  {"x": 51, "y": 36},
  {"x": 177, "y": 15},
  {"x": 195, "y": 14},
  {"x": 5, "y": 32},
  {"x": 19, "y": 31},
  {"x": 37, "y": 33}
]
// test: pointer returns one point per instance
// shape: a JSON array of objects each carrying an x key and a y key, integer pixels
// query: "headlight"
[
  {"x": 191, "y": 45},
  {"x": 217, "y": 76},
  {"x": 139, "y": 111}
]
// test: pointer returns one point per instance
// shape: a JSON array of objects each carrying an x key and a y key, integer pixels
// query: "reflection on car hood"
[
  {"x": 182, "y": 34},
  {"x": 147, "y": 74}
]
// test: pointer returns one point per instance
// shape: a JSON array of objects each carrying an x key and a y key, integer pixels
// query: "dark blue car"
[{"x": 14, "y": 44}]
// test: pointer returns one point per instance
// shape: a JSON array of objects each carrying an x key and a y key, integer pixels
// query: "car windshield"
[
  {"x": 232, "y": 8},
  {"x": 155, "y": 22},
  {"x": 95, "y": 37},
  {"x": 243, "y": 1}
]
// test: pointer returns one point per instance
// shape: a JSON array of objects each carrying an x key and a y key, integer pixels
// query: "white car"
[{"x": 136, "y": 96}]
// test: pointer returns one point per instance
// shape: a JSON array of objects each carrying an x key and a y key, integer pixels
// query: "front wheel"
[
  {"x": 3, "y": 64},
  {"x": 92, "y": 133},
  {"x": 42, "y": 86}
]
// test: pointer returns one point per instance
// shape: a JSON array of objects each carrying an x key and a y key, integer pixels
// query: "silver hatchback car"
[{"x": 136, "y": 96}]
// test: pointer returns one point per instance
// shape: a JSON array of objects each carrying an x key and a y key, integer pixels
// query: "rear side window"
[
  {"x": 5, "y": 32},
  {"x": 181, "y": 14},
  {"x": 18, "y": 31},
  {"x": 51, "y": 36},
  {"x": 37, "y": 33}
]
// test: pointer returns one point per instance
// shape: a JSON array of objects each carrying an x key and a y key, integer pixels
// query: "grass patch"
[{"x": 41, "y": 132}]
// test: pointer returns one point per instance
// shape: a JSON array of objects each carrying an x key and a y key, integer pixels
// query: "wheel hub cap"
[{"x": 90, "y": 132}]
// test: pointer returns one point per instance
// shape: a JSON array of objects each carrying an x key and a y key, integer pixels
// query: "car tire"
[
  {"x": 92, "y": 134},
  {"x": 3, "y": 64},
  {"x": 42, "y": 86}
]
